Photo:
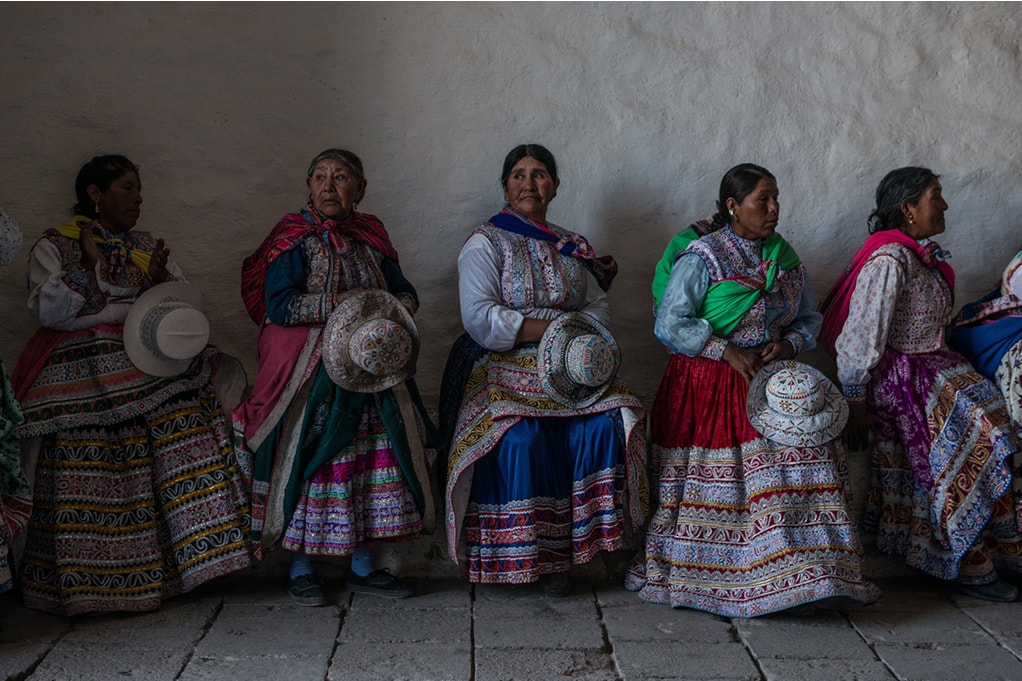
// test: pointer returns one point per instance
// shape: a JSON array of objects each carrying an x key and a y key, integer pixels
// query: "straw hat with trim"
[
  {"x": 166, "y": 329},
  {"x": 577, "y": 359},
  {"x": 370, "y": 342},
  {"x": 795, "y": 404}
]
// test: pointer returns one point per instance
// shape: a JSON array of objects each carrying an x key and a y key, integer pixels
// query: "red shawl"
[
  {"x": 289, "y": 231},
  {"x": 835, "y": 305}
]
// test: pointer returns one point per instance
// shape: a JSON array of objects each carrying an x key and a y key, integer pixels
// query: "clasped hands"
[{"x": 748, "y": 361}]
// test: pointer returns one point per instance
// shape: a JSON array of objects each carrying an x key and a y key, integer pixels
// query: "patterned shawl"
[
  {"x": 727, "y": 301},
  {"x": 116, "y": 249},
  {"x": 575, "y": 245},
  {"x": 835, "y": 305},
  {"x": 289, "y": 231}
]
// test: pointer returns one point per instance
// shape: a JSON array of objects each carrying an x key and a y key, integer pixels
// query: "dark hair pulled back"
[
  {"x": 343, "y": 155},
  {"x": 736, "y": 184},
  {"x": 101, "y": 171},
  {"x": 536, "y": 151},
  {"x": 898, "y": 187}
]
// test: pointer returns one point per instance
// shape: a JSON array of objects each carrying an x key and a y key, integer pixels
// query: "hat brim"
[
  {"x": 138, "y": 353},
  {"x": 796, "y": 431},
  {"x": 551, "y": 359},
  {"x": 346, "y": 317}
]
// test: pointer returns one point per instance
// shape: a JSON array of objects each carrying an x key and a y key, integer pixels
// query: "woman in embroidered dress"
[
  {"x": 137, "y": 494},
  {"x": 941, "y": 486},
  {"x": 533, "y": 486},
  {"x": 339, "y": 495},
  {"x": 988, "y": 332},
  {"x": 745, "y": 526},
  {"x": 15, "y": 497}
]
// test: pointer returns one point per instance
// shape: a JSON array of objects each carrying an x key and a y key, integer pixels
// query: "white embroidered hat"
[
  {"x": 370, "y": 342},
  {"x": 795, "y": 404},
  {"x": 165, "y": 329},
  {"x": 577, "y": 359}
]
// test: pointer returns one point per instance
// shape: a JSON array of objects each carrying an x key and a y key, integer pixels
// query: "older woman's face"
[
  {"x": 530, "y": 188},
  {"x": 121, "y": 203},
  {"x": 927, "y": 216},
  {"x": 757, "y": 215},
  {"x": 335, "y": 188}
]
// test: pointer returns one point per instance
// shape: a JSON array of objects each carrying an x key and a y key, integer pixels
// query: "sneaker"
[
  {"x": 307, "y": 590},
  {"x": 999, "y": 591},
  {"x": 557, "y": 585},
  {"x": 378, "y": 583}
]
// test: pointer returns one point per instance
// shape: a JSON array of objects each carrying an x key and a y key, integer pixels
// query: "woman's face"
[
  {"x": 757, "y": 215},
  {"x": 925, "y": 218},
  {"x": 335, "y": 188},
  {"x": 121, "y": 204},
  {"x": 530, "y": 189}
]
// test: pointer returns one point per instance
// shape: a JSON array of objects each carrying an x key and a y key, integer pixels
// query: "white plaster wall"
[{"x": 644, "y": 105}]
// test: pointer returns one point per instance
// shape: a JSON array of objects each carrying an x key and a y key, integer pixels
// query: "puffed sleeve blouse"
[{"x": 494, "y": 325}]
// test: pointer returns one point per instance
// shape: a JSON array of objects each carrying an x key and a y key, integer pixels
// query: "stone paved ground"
[{"x": 245, "y": 627}]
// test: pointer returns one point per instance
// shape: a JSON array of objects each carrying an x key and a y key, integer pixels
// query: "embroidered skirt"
[
  {"x": 744, "y": 526},
  {"x": 359, "y": 496},
  {"x": 940, "y": 494},
  {"x": 15, "y": 494},
  {"x": 549, "y": 495}
]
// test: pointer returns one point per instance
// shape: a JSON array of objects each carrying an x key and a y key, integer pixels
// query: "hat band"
[{"x": 151, "y": 323}]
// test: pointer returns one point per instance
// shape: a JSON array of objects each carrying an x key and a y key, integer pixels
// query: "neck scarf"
[
  {"x": 117, "y": 250},
  {"x": 835, "y": 305},
  {"x": 574, "y": 245},
  {"x": 728, "y": 300},
  {"x": 293, "y": 228}
]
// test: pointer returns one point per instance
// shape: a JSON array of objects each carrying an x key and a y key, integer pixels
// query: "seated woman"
[
  {"x": 123, "y": 464},
  {"x": 746, "y": 525},
  {"x": 336, "y": 468},
  {"x": 941, "y": 485},
  {"x": 15, "y": 497},
  {"x": 987, "y": 332},
  {"x": 538, "y": 478},
  {"x": 677, "y": 246}
]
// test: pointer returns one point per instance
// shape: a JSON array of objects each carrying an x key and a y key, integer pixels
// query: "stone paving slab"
[
  {"x": 953, "y": 627},
  {"x": 646, "y": 622},
  {"x": 265, "y": 668},
  {"x": 824, "y": 670},
  {"x": 823, "y": 635},
  {"x": 252, "y": 631},
  {"x": 951, "y": 663},
  {"x": 684, "y": 660},
  {"x": 67, "y": 662},
  {"x": 401, "y": 662},
  {"x": 523, "y": 664},
  {"x": 402, "y": 625}
]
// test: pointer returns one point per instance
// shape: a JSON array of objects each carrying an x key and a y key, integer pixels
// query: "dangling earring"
[
  {"x": 910, "y": 220},
  {"x": 97, "y": 208}
]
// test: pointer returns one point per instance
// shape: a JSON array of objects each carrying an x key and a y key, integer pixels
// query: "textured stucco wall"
[{"x": 644, "y": 105}]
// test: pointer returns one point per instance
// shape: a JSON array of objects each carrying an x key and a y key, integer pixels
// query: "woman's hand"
[
  {"x": 531, "y": 330},
  {"x": 777, "y": 351},
  {"x": 743, "y": 360},
  {"x": 88, "y": 245},
  {"x": 860, "y": 423},
  {"x": 158, "y": 263}
]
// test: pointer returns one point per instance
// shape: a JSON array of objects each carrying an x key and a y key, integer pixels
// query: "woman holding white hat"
[
  {"x": 137, "y": 494},
  {"x": 752, "y": 515},
  {"x": 334, "y": 421},
  {"x": 547, "y": 451}
]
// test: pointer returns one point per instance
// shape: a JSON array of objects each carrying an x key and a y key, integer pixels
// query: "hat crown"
[
  {"x": 381, "y": 346},
  {"x": 589, "y": 360},
  {"x": 174, "y": 330},
  {"x": 795, "y": 393}
]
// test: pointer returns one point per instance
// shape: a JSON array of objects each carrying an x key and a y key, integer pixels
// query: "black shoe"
[
  {"x": 307, "y": 590},
  {"x": 378, "y": 583},
  {"x": 998, "y": 592},
  {"x": 557, "y": 585}
]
